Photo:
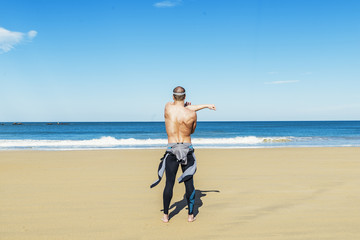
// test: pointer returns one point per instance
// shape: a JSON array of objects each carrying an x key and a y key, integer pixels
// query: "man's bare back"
[{"x": 180, "y": 122}]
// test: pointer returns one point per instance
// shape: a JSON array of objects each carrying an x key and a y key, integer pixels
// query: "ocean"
[{"x": 129, "y": 135}]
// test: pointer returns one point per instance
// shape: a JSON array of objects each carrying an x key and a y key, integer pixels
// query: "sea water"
[{"x": 125, "y": 135}]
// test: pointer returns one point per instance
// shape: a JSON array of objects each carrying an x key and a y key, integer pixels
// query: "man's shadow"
[{"x": 180, "y": 205}]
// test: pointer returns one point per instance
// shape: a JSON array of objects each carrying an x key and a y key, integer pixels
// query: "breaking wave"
[{"x": 111, "y": 142}]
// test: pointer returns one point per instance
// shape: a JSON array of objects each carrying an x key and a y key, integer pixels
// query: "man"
[{"x": 180, "y": 122}]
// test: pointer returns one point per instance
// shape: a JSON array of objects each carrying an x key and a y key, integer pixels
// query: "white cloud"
[
  {"x": 166, "y": 4},
  {"x": 31, "y": 34},
  {"x": 9, "y": 39},
  {"x": 283, "y": 82}
]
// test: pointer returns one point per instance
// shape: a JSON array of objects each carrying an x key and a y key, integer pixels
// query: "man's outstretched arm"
[{"x": 199, "y": 107}]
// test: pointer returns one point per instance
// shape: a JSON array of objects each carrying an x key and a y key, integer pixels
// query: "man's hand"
[{"x": 212, "y": 107}]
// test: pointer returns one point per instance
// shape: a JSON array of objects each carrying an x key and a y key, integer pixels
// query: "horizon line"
[{"x": 339, "y": 120}]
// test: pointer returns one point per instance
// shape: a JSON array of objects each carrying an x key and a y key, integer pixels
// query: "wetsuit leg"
[
  {"x": 171, "y": 167},
  {"x": 189, "y": 184}
]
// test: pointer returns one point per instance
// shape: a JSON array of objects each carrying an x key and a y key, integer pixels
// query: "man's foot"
[
  {"x": 165, "y": 218},
  {"x": 191, "y": 218}
]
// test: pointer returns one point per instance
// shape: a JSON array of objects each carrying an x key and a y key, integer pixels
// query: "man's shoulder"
[
  {"x": 168, "y": 105},
  {"x": 190, "y": 113}
]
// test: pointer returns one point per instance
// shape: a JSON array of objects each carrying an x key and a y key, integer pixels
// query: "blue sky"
[{"x": 119, "y": 60}]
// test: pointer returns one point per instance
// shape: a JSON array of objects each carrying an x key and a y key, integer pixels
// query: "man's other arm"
[
  {"x": 194, "y": 123},
  {"x": 199, "y": 107}
]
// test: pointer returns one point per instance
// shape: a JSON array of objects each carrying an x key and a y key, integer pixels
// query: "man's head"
[{"x": 179, "y": 93}]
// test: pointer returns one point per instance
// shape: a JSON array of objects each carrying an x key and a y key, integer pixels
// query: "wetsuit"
[{"x": 179, "y": 153}]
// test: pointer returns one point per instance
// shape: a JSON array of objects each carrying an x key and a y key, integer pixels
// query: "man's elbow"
[{"x": 193, "y": 129}]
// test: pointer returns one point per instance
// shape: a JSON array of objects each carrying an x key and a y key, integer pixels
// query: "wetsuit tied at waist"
[{"x": 181, "y": 151}]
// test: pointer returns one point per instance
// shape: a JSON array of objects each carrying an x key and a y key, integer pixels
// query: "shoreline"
[
  {"x": 164, "y": 147},
  {"x": 256, "y": 194}
]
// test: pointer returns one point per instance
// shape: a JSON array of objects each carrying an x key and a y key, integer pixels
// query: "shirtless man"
[{"x": 180, "y": 122}]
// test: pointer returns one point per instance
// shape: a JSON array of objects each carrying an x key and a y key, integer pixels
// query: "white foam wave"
[
  {"x": 110, "y": 142},
  {"x": 240, "y": 140},
  {"x": 100, "y": 142}
]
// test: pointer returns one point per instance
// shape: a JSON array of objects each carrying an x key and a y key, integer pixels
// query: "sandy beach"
[{"x": 283, "y": 193}]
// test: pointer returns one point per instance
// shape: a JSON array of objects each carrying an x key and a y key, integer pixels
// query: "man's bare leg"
[
  {"x": 165, "y": 218},
  {"x": 191, "y": 218}
]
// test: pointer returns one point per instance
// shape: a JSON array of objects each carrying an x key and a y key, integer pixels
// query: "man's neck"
[{"x": 179, "y": 103}]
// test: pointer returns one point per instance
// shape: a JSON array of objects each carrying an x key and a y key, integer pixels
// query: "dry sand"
[{"x": 287, "y": 193}]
